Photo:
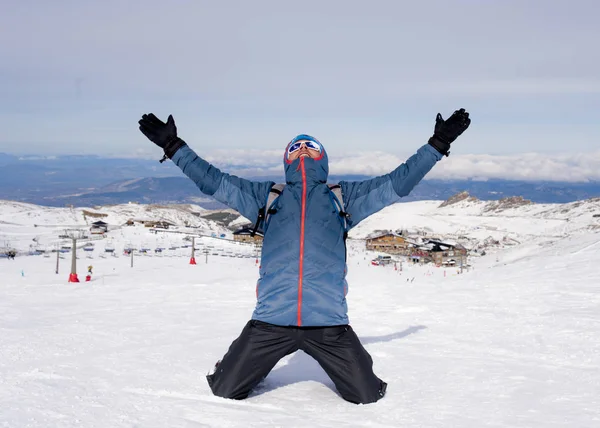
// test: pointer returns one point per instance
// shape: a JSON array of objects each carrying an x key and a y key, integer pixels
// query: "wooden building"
[
  {"x": 448, "y": 254},
  {"x": 388, "y": 242},
  {"x": 245, "y": 235},
  {"x": 421, "y": 255},
  {"x": 159, "y": 224}
]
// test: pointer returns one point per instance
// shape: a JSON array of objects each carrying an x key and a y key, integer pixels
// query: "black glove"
[
  {"x": 446, "y": 131},
  {"x": 164, "y": 135}
]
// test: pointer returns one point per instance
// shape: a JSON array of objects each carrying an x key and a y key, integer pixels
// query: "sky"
[
  {"x": 364, "y": 78},
  {"x": 513, "y": 341}
]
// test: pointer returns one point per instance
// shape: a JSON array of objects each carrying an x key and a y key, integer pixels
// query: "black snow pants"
[{"x": 261, "y": 345}]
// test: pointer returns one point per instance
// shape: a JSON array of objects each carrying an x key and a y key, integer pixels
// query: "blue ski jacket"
[{"x": 302, "y": 279}]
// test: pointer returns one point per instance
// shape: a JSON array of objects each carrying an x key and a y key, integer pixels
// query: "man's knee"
[
  {"x": 225, "y": 389},
  {"x": 366, "y": 396}
]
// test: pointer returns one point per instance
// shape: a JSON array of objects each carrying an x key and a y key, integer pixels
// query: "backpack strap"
[
  {"x": 265, "y": 212},
  {"x": 269, "y": 209},
  {"x": 337, "y": 199}
]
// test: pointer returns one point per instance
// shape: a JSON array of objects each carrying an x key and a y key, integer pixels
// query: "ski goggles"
[{"x": 295, "y": 146}]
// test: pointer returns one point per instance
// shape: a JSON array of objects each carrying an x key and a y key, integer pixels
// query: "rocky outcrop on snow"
[
  {"x": 506, "y": 203},
  {"x": 228, "y": 218},
  {"x": 480, "y": 247},
  {"x": 459, "y": 197}
]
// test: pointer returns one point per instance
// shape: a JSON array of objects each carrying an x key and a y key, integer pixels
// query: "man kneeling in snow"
[{"x": 301, "y": 291}]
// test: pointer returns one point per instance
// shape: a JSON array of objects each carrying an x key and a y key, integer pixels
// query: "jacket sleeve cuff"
[
  {"x": 428, "y": 147},
  {"x": 181, "y": 152}
]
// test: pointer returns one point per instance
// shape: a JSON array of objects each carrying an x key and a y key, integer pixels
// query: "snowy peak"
[
  {"x": 506, "y": 203},
  {"x": 459, "y": 197}
]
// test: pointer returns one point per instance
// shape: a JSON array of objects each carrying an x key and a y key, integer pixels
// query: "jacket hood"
[{"x": 317, "y": 170}]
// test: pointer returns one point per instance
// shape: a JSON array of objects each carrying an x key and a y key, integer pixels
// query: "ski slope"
[{"x": 513, "y": 342}]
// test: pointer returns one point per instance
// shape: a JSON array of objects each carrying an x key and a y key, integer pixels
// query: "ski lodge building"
[
  {"x": 447, "y": 254},
  {"x": 244, "y": 235},
  {"x": 388, "y": 242},
  {"x": 99, "y": 228},
  {"x": 435, "y": 251}
]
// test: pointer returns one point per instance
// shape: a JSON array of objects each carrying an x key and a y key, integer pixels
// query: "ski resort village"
[{"x": 476, "y": 313}]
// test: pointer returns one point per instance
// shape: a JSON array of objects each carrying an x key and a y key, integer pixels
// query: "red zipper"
[{"x": 301, "y": 258}]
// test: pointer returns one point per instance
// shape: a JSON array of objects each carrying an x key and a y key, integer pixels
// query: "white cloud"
[
  {"x": 239, "y": 157},
  {"x": 528, "y": 166}
]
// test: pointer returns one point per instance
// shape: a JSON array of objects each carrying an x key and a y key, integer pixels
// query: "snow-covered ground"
[{"x": 513, "y": 342}]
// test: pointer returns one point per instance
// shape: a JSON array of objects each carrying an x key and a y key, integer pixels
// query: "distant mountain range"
[{"x": 93, "y": 180}]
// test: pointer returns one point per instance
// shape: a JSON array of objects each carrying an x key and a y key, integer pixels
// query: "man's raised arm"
[
  {"x": 244, "y": 196},
  {"x": 363, "y": 198}
]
